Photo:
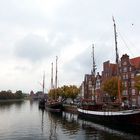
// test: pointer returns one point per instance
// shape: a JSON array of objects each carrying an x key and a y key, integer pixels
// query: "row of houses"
[{"x": 128, "y": 70}]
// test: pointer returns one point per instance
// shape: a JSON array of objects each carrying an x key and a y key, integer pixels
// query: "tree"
[
  {"x": 110, "y": 86},
  {"x": 65, "y": 92},
  {"x": 70, "y": 91},
  {"x": 137, "y": 82},
  {"x": 73, "y": 92},
  {"x": 54, "y": 93},
  {"x": 19, "y": 94}
]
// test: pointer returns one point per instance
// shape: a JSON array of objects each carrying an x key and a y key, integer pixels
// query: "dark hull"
[
  {"x": 54, "y": 107},
  {"x": 126, "y": 119},
  {"x": 42, "y": 104}
]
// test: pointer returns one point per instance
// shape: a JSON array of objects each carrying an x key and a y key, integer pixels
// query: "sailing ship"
[
  {"x": 42, "y": 100},
  {"x": 103, "y": 113},
  {"x": 55, "y": 104}
]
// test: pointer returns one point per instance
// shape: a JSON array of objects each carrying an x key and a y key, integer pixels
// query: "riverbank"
[{"x": 11, "y": 100}]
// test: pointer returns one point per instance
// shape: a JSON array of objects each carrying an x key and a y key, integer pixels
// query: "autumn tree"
[
  {"x": 137, "y": 82},
  {"x": 110, "y": 86},
  {"x": 65, "y": 92},
  {"x": 73, "y": 91}
]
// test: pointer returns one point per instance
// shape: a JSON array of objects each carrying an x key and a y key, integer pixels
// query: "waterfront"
[{"x": 25, "y": 121}]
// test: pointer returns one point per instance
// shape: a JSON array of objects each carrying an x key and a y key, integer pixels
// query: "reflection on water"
[
  {"x": 25, "y": 121},
  {"x": 105, "y": 132},
  {"x": 64, "y": 124},
  {"x": 77, "y": 129},
  {"x": 7, "y": 105}
]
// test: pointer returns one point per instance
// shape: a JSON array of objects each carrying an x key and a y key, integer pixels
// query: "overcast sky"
[{"x": 34, "y": 32}]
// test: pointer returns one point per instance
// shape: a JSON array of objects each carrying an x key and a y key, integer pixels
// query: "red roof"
[{"x": 135, "y": 62}]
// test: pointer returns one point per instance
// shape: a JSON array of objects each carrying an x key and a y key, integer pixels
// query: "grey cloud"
[
  {"x": 33, "y": 48},
  {"x": 22, "y": 13},
  {"x": 82, "y": 63}
]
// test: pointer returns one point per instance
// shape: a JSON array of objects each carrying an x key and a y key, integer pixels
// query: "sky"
[{"x": 34, "y": 32}]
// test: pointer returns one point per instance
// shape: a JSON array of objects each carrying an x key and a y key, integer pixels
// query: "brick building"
[
  {"x": 129, "y": 68},
  {"x": 109, "y": 70},
  {"x": 87, "y": 87}
]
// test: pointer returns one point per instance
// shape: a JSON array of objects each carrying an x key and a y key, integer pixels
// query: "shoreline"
[{"x": 11, "y": 100}]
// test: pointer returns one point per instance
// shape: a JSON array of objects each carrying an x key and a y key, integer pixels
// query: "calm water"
[{"x": 24, "y": 121}]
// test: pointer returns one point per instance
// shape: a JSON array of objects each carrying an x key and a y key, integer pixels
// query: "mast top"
[
  {"x": 56, "y": 73},
  {"x": 52, "y": 76},
  {"x": 93, "y": 61},
  {"x": 116, "y": 47},
  {"x": 117, "y": 60}
]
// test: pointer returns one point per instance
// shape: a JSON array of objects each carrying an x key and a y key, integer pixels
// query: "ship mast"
[
  {"x": 117, "y": 60},
  {"x": 93, "y": 72},
  {"x": 43, "y": 85},
  {"x": 52, "y": 76},
  {"x": 93, "y": 61},
  {"x": 116, "y": 48},
  {"x": 56, "y": 73}
]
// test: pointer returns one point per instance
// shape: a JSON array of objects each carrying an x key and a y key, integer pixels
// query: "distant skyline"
[{"x": 34, "y": 32}]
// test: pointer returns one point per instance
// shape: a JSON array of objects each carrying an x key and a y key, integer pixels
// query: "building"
[
  {"x": 99, "y": 93},
  {"x": 129, "y": 68},
  {"x": 109, "y": 70},
  {"x": 87, "y": 88}
]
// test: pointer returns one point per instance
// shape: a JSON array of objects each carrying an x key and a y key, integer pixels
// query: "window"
[
  {"x": 124, "y": 63},
  {"x": 133, "y": 101},
  {"x": 132, "y": 83},
  {"x": 90, "y": 82},
  {"x": 123, "y": 76},
  {"x": 124, "y": 92},
  {"x": 125, "y": 69},
  {"x": 125, "y": 84},
  {"x": 126, "y": 76},
  {"x": 132, "y": 75},
  {"x": 133, "y": 92}
]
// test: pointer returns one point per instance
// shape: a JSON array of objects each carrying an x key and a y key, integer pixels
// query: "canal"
[{"x": 25, "y": 121}]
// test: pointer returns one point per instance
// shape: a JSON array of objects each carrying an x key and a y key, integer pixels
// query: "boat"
[
  {"x": 42, "y": 99},
  {"x": 109, "y": 112},
  {"x": 104, "y": 114},
  {"x": 54, "y": 105},
  {"x": 42, "y": 102}
]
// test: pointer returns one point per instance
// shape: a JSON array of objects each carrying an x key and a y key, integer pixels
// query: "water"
[{"x": 25, "y": 121}]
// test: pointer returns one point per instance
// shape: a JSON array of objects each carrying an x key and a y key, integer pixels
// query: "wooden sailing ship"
[
  {"x": 109, "y": 113},
  {"x": 55, "y": 104}
]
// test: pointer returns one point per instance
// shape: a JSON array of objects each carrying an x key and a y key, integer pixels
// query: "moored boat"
[
  {"x": 110, "y": 112},
  {"x": 107, "y": 115},
  {"x": 54, "y": 104}
]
